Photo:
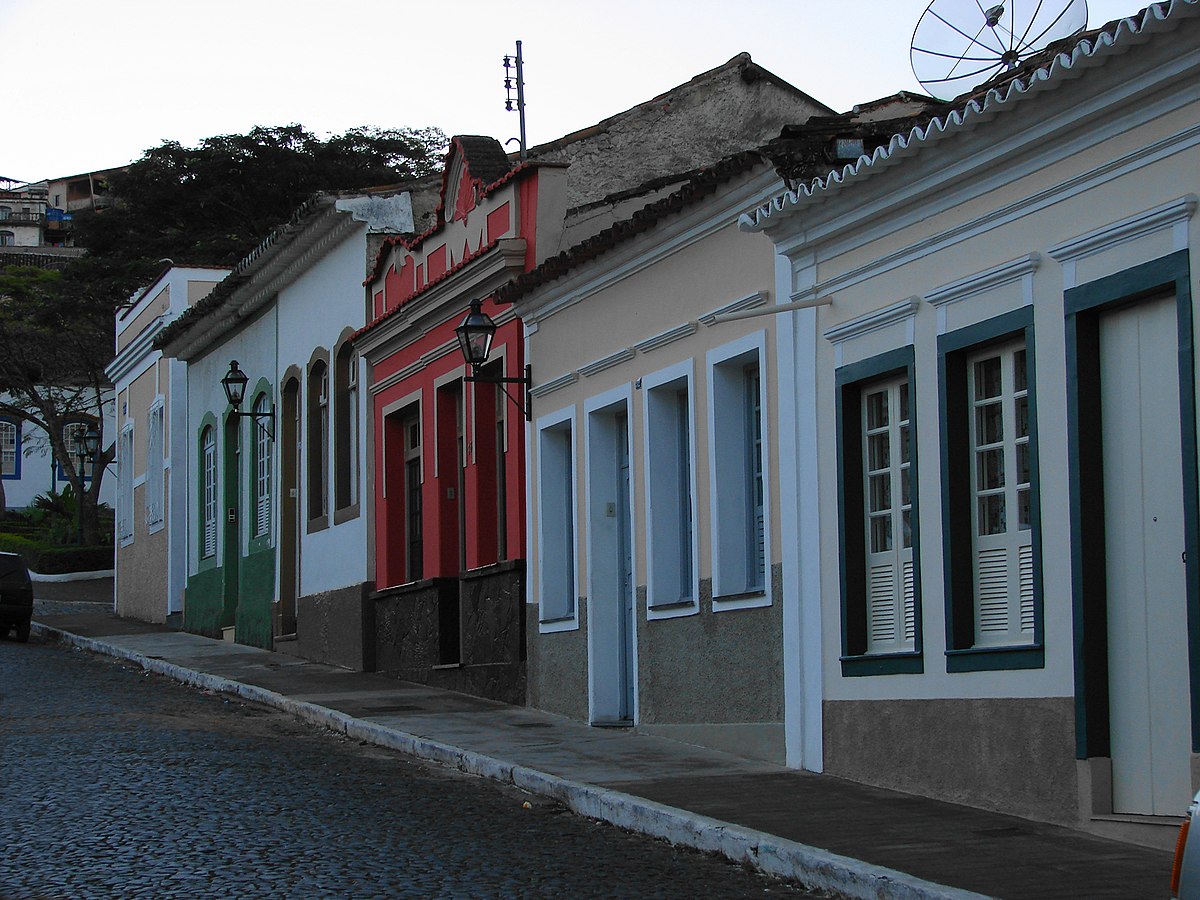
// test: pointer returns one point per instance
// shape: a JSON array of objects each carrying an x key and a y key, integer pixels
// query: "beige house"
[
  {"x": 993, "y": 407},
  {"x": 151, "y": 408}
]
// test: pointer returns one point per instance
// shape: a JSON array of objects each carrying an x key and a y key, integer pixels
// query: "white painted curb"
[
  {"x": 811, "y": 866},
  {"x": 74, "y": 576}
]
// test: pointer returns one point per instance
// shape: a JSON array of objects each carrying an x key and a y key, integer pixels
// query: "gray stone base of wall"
[
  {"x": 337, "y": 628},
  {"x": 463, "y": 634},
  {"x": 1014, "y": 756}
]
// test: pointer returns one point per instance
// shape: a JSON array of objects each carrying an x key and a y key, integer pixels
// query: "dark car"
[{"x": 16, "y": 596}]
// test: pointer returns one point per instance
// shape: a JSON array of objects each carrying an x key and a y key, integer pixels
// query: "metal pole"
[{"x": 521, "y": 96}]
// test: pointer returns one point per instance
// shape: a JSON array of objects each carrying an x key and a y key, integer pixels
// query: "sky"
[{"x": 105, "y": 80}]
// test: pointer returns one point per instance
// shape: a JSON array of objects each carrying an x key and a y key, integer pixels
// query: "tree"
[
  {"x": 53, "y": 350},
  {"x": 208, "y": 204}
]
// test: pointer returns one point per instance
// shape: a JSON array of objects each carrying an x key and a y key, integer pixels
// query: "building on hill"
[{"x": 450, "y": 518}]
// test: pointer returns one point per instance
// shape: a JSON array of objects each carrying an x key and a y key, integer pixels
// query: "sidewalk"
[{"x": 826, "y": 832}]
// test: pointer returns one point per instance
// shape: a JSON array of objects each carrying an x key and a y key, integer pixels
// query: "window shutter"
[
  {"x": 881, "y": 597},
  {"x": 1026, "y": 577},
  {"x": 910, "y": 604},
  {"x": 991, "y": 591}
]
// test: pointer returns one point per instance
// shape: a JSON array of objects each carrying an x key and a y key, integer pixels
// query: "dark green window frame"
[
  {"x": 1082, "y": 307},
  {"x": 850, "y": 381},
  {"x": 957, "y": 531}
]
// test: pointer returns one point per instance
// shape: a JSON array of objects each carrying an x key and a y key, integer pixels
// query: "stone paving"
[{"x": 114, "y": 782}]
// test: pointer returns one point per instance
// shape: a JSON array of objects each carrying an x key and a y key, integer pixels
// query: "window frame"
[
  {"x": 209, "y": 490},
  {"x": 726, "y": 459},
  {"x": 316, "y": 441},
  {"x": 347, "y": 429},
  {"x": 16, "y": 424},
  {"x": 156, "y": 482},
  {"x": 85, "y": 472},
  {"x": 955, "y": 349},
  {"x": 262, "y": 469},
  {"x": 548, "y": 428},
  {"x": 126, "y": 527},
  {"x": 664, "y": 492},
  {"x": 852, "y": 383}
]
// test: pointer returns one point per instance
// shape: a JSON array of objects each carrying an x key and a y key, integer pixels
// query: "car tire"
[{"x": 23, "y": 632}]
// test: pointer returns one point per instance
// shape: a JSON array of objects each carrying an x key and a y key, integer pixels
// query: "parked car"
[
  {"x": 16, "y": 596},
  {"x": 1185, "y": 874}
]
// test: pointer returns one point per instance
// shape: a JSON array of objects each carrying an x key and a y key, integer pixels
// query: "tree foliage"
[{"x": 209, "y": 205}]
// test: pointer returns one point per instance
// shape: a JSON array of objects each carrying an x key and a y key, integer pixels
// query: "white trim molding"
[
  {"x": 554, "y": 384},
  {"x": 1116, "y": 233},
  {"x": 997, "y": 276},
  {"x": 687, "y": 329},
  {"x": 751, "y": 301},
  {"x": 873, "y": 321},
  {"x": 607, "y": 362}
]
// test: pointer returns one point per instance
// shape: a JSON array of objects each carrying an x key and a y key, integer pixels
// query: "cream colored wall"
[
  {"x": 711, "y": 273},
  {"x": 151, "y": 310},
  {"x": 1075, "y": 212},
  {"x": 198, "y": 290}
]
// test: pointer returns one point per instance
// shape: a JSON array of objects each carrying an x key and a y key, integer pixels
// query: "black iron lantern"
[
  {"x": 91, "y": 441},
  {"x": 475, "y": 335},
  {"x": 234, "y": 384}
]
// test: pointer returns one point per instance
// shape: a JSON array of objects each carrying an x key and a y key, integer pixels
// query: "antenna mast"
[{"x": 519, "y": 62}]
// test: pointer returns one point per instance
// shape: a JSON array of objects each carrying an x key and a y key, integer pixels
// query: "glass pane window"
[
  {"x": 886, "y": 465},
  {"x": 9, "y": 447},
  {"x": 262, "y": 468},
  {"x": 1001, "y": 473},
  {"x": 208, "y": 466}
]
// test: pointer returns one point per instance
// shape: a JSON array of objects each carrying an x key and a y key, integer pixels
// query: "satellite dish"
[{"x": 959, "y": 44}]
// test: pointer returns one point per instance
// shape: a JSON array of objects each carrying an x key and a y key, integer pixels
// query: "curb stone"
[{"x": 810, "y": 866}]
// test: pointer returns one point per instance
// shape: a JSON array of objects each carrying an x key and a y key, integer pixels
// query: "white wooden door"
[{"x": 1144, "y": 545}]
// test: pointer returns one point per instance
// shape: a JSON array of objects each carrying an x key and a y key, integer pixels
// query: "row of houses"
[{"x": 861, "y": 443}]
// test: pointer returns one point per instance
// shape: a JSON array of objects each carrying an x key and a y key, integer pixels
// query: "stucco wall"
[
  {"x": 557, "y": 666},
  {"x": 141, "y": 581},
  {"x": 1013, "y": 756}
]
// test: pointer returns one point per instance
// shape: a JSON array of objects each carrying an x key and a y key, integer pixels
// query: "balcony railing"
[{"x": 22, "y": 218}]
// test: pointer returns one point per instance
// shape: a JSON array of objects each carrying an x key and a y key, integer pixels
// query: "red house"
[{"x": 449, "y": 453}]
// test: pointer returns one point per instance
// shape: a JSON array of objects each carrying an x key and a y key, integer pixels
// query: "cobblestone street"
[{"x": 117, "y": 783}]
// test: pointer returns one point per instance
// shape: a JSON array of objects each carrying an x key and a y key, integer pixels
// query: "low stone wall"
[
  {"x": 463, "y": 634},
  {"x": 1010, "y": 755},
  {"x": 337, "y": 627}
]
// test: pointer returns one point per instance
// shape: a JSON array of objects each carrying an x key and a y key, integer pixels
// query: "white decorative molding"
[
  {"x": 997, "y": 276},
  {"x": 751, "y": 301},
  {"x": 1128, "y": 229},
  {"x": 674, "y": 334},
  {"x": 549, "y": 387},
  {"x": 873, "y": 321},
  {"x": 414, "y": 367},
  {"x": 607, "y": 362}
]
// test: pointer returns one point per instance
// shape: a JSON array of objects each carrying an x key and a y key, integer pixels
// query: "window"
[
  {"x": 556, "y": 520},
  {"x": 738, "y": 472},
  {"x": 262, "y": 467},
  {"x": 671, "y": 581},
  {"x": 346, "y": 431},
  {"x": 7, "y": 238},
  {"x": 318, "y": 440},
  {"x": 999, "y": 429},
  {"x": 5, "y": 212},
  {"x": 208, "y": 497},
  {"x": 10, "y": 449},
  {"x": 414, "y": 547},
  {"x": 881, "y": 615},
  {"x": 991, "y": 524},
  {"x": 125, "y": 466},
  {"x": 155, "y": 468},
  {"x": 72, "y": 434},
  {"x": 451, "y": 476}
]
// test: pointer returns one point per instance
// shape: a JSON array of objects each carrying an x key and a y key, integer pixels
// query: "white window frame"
[
  {"x": 125, "y": 476},
  {"x": 263, "y": 450},
  {"x": 728, "y": 482},
  {"x": 156, "y": 467},
  {"x": 896, "y": 560},
  {"x": 1014, "y": 546},
  {"x": 670, "y": 469},
  {"x": 553, "y": 545},
  {"x": 11, "y": 450},
  {"x": 208, "y": 508},
  {"x": 352, "y": 419}
]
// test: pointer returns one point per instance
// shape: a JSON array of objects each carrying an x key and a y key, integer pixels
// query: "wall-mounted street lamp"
[
  {"x": 475, "y": 340},
  {"x": 234, "y": 383}
]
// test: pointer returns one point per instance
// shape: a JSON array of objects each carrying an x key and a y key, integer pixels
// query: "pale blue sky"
[{"x": 92, "y": 83}]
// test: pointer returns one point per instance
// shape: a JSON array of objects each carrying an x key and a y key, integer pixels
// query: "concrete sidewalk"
[{"x": 823, "y": 831}]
